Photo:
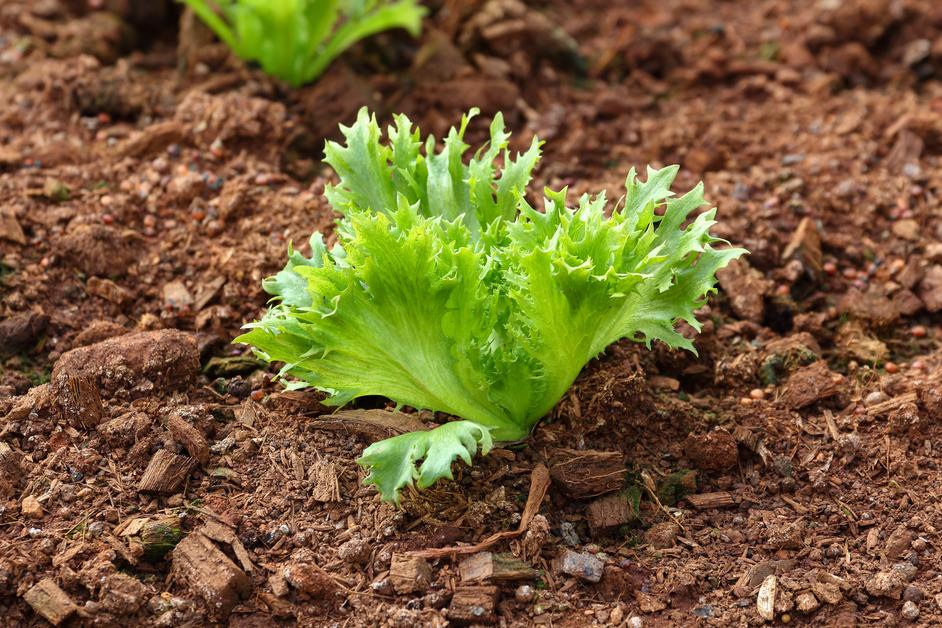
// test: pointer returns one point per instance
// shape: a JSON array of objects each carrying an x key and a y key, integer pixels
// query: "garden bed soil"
[{"x": 152, "y": 474}]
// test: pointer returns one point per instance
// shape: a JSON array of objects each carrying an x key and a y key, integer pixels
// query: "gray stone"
[{"x": 579, "y": 564}]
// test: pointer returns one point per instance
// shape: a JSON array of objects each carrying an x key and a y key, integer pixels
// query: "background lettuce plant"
[
  {"x": 446, "y": 290},
  {"x": 295, "y": 40}
]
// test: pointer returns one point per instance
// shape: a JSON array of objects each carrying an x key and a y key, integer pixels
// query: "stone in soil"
[
  {"x": 308, "y": 579},
  {"x": 746, "y": 289},
  {"x": 620, "y": 583},
  {"x": 885, "y": 584},
  {"x": 662, "y": 535},
  {"x": 811, "y": 384},
  {"x": 139, "y": 362},
  {"x": 31, "y": 508},
  {"x": 97, "y": 331},
  {"x": 827, "y": 593},
  {"x": 21, "y": 332},
  {"x": 582, "y": 565},
  {"x": 897, "y": 544},
  {"x": 98, "y": 250},
  {"x": 906, "y": 570},
  {"x": 807, "y": 602},
  {"x": 713, "y": 451},
  {"x": 930, "y": 289},
  {"x": 910, "y": 611},
  {"x": 912, "y": 593},
  {"x": 355, "y": 552}
]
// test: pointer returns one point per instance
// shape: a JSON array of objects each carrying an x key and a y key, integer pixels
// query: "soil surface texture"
[{"x": 152, "y": 474}]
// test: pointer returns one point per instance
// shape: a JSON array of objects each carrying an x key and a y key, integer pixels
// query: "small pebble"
[
  {"x": 616, "y": 616},
  {"x": 914, "y": 594},
  {"x": 910, "y": 611},
  {"x": 918, "y": 331},
  {"x": 524, "y": 594},
  {"x": 830, "y": 268},
  {"x": 919, "y": 545},
  {"x": 635, "y": 622},
  {"x": 891, "y": 368},
  {"x": 872, "y": 399},
  {"x": 757, "y": 394},
  {"x": 258, "y": 395}
]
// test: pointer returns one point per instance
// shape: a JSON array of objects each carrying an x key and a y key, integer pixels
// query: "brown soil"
[{"x": 148, "y": 182}]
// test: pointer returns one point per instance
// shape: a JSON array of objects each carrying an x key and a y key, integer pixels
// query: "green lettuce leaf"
[
  {"x": 448, "y": 291},
  {"x": 392, "y": 462}
]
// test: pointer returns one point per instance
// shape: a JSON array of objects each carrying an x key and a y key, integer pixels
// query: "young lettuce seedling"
[
  {"x": 446, "y": 290},
  {"x": 295, "y": 40}
]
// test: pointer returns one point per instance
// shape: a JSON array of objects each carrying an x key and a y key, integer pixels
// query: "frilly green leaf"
[{"x": 394, "y": 463}]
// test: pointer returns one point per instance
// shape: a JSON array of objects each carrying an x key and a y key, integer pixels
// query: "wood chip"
[
  {"x": 473, "y": 604},
  {"x": 188, "y": 436},
  {"x": 588, "y": 473},
  {"x": 249, "y": 413},
  {"x": 373, "y": 425},
  {"x": 79, "y": 401},
  {"x": 708, "y": 501},
  {"x": 10, "y": 228},
  {"x": 219, "y": 531},
  {"x": 765, "y": 600},
  {"x": 756, "y": 574},
  {"x": 165, "y": 473},
  {"x": 153, "y": 139},
  {"x": 108, "y": 290},
  {"x": 11, "y": 473},
  {"x": 49, "y": 601},
  {"x": 325, "y": 486},
  {"x": 495, "y": 567},
  {"x": 885, "y": 407},
  {"x": 805, "y": 246},
  {"x": 607, "y": 514},
  {"x": 409, "y": 574},
  {"x": 201, "y": 567}
]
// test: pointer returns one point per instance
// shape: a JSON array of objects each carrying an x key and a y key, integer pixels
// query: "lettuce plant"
[
  {"x": 295, "y": 40},
  {"x": 447, "y": 291}
]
